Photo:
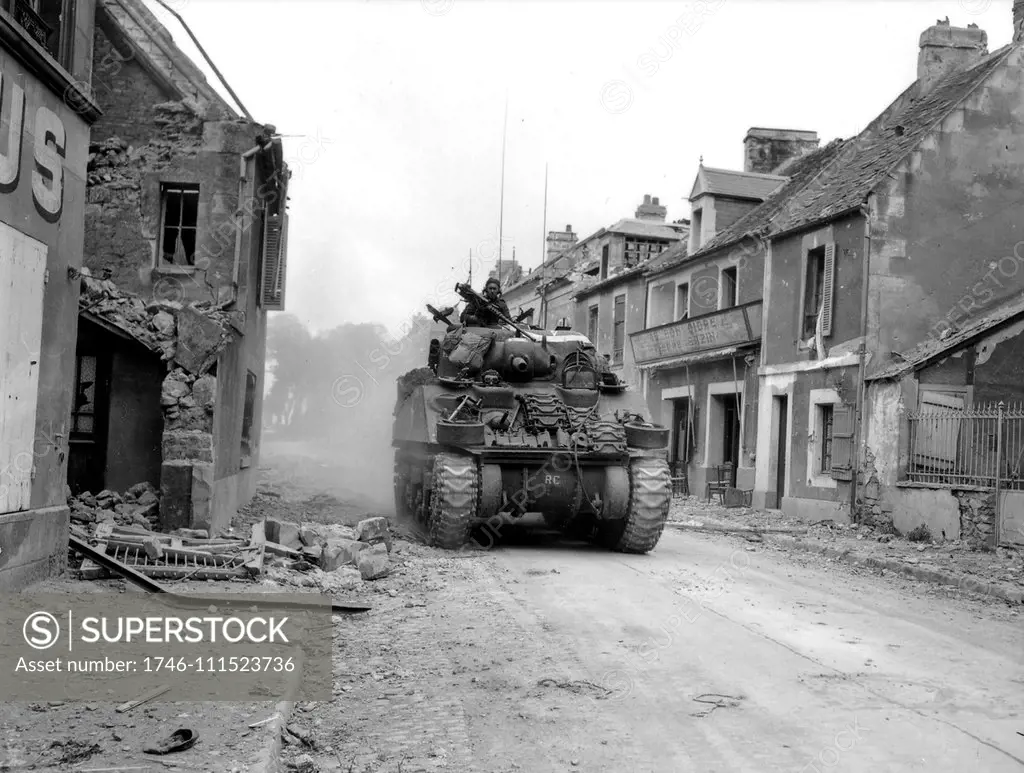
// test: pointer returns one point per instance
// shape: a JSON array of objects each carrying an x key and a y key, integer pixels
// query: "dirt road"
[{"x": 710, "y": 654}]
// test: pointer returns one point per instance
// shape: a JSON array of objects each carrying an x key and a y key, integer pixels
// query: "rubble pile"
[
  {"x": 138, "y": 506},
  {"x": 191, "y": 335},
  {"x": 329, "y": 556}
]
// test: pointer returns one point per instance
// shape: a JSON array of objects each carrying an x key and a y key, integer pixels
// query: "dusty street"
[{"x": 710, "y": 654}]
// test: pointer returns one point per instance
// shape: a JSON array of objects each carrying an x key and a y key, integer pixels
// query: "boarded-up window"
[
  {"x": 619, "y": 330},
  {"x": 22, "y": 273},
  {"x": 179, "y": 221},
  {"x": 936, "y": 442}
]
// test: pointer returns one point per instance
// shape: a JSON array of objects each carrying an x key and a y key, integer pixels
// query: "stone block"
[
  {"x": 374, "y": 530},
  {"x": 202, "y": 497},
  {"x": 204, "y": 392},
  {"x": 199, "y": 340},
  {"x": 163, "y": 323},
  {"x": 308, "y": 536},
  {"x": 283, "y": 533},
  {"x": 373, "y": 562},
  {"x": 184, "y": 446},
  {"x": 312, "y": 553},
  {"x": 340, "y": 552}
]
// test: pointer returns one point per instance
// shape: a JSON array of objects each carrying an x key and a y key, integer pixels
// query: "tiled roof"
[
  {"x": 903, "y": 363},
  {"x": 845, "y": 184},
  {"x": 741, "y": 185},
  {"x": 802, "y": 171}
]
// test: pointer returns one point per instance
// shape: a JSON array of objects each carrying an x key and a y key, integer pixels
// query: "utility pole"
[
  {"x": 544, "y": 256},
  {"x": 501, "y": 215}
]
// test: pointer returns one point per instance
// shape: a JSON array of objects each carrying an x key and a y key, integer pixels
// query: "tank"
[{"x": 502, "y": 422}]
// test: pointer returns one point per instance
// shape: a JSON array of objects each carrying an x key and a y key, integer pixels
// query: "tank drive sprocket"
[
  {"x": 650, "y": 495},
  {"x": 453, "y": 502}
]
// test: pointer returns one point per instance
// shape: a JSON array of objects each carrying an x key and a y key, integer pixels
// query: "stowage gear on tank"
[{"x": 513, "y": 421}]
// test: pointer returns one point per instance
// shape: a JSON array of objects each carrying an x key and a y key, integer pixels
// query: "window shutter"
[
  {"x": 275, "y": 254},
  {"x": 842, "y": 442},
  {"x": 827, "y": 289}
]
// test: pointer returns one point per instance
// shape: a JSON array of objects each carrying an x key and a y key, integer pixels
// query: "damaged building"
[
  {"x": 185, "y": 251},
  {"x": 45, "y": 65}
]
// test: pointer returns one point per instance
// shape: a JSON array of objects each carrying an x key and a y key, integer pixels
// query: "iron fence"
[{"x": 980, "y": 446}]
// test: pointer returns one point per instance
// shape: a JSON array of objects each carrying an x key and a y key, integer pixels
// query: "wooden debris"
[{"x": 155, "y": 693}]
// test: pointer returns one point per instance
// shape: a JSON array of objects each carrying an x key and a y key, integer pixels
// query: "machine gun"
[{"x": 468, "y": 294}]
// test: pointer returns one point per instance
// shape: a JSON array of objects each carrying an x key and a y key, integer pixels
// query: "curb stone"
[
  {"x": 268, "y": 758},
  {"x": 733, "y": 529},
  {"x": 961, "y": 581}
]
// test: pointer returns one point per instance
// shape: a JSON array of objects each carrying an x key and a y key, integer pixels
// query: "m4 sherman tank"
[{"x": 508, "y": 420}]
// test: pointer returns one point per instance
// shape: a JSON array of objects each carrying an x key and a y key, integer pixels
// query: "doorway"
[
  {"x": 683, "y": 431},
  {"x": 780, "y": 448},
  {"x": 731, "y": 430}
]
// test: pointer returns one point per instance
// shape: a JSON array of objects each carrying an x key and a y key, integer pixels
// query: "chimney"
[
  {"x": 559, "y": 242},
  {"x": 765, "y": 150},
  {"x": 651, "y": 210},
  {"x": 945, "y": 49}
]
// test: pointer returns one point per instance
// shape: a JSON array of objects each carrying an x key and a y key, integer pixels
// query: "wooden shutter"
[
  {"x": 827, "y": 288},
  {"x": 842, "y": 442},
  {"x": 275, "y": 259}
]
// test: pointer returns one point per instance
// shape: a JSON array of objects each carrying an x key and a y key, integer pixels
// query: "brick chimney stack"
[
  {"x": 946, "y": 49},
  {"x": 651, "y": 210}
]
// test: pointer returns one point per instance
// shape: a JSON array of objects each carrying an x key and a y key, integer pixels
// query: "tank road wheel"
[
  {"x": 650, "y": 494},
  {"x": 453, "y": 502}
]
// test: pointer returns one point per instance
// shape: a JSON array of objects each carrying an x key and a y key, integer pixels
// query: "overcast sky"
[{"x": 399, "y": 110}]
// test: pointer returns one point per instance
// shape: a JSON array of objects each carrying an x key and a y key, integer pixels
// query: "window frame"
[
  {"x": 619, "y": 352},
  {"x": 809, "y": 320},
  {"x": 182, "y": 188},
  {"x": 733, "y": 273},
  {"x": 686, "y": 313},
  {"x": 818, "y": 398},
  {"x": 594, "y": 322}
]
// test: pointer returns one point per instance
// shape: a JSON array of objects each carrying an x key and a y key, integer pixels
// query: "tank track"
[
  {"x": 650, "y": 495},
  {"x": 454, "y": 500}
]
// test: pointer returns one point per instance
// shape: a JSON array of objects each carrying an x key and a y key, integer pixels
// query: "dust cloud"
[{"x": 332, "y": 398}]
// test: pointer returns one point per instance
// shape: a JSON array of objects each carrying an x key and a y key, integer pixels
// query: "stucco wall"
[
  {"x": 785, "y": 282},
  {"x": 948, "y": 220}
]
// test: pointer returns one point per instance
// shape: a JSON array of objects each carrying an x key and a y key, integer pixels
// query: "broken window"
[
  {"x": 728, "y": 288},
  {"x": 813, "y": 287},
  {"x": 83, "y": 411},
  {"x": 825, "y": 414},
  {"x": 619, "y": 330},
  {"x": 178, "y": 224},
  {"x": 592, "y": 324},
  {"x": 683, "y": 301},
  {"x": 248, "y": 412},
  {"x": 48, "y": 22}
]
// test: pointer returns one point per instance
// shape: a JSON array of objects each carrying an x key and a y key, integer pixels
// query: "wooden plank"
[
  {"x": 90, "y": 570},
  {"x": 22, "y": 270},
  {"x": 155, "y": 693}
]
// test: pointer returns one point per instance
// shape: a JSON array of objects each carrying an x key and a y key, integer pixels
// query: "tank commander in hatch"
[{"x": 477, "y": 315}]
